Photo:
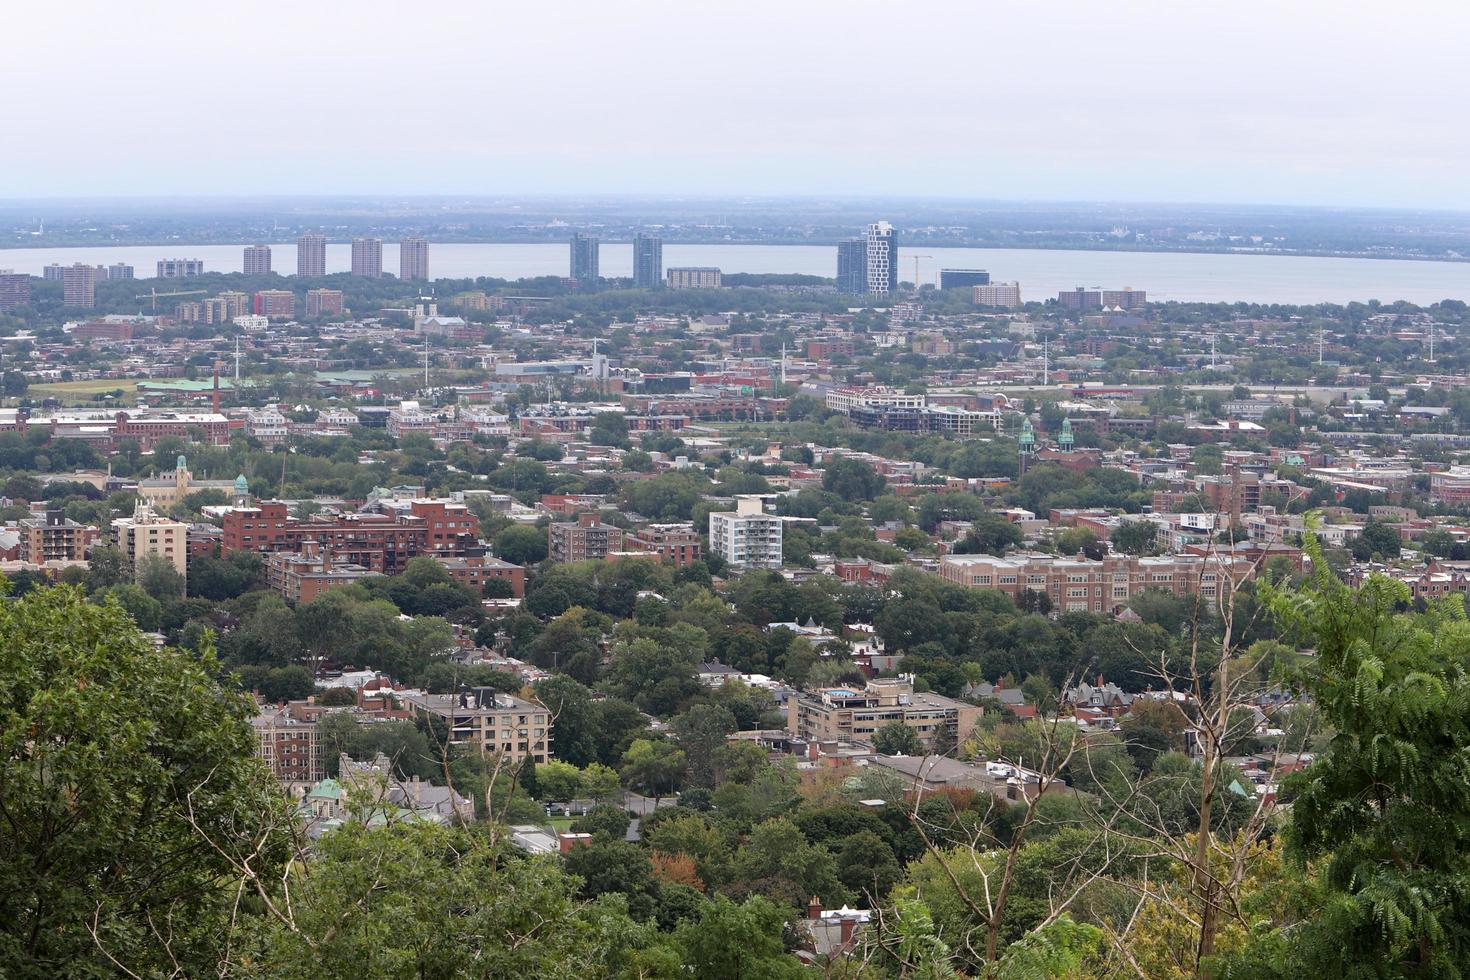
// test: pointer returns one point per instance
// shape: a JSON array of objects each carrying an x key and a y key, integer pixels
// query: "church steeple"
[
  {"x": 1028, "y": 437},
  {"x": 1066, "y": 440}
]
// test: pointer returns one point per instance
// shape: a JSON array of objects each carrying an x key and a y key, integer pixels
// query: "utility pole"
[
  {"x": 426, "y": 362},
  {"x": 783, "y": 365},
  {"x": 1045, "y": 360},
  {"x": 1212, "y": 352},
  {"x": 1320, "y": 342},
  {"x": 237, "y": 364}
]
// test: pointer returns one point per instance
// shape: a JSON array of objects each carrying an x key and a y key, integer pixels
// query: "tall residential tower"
[
  {"x": 367, "y": 257},
  {"x": 257, "y": 260},
  {"x": 413, "y": 258},
  {"x": 648, "y": 261},
  {"x": 852, "y": 266},
  {"x": 311, "y": 255},
  {"x": 882, "y": 258},
  {"x": 584, "y": 259}
]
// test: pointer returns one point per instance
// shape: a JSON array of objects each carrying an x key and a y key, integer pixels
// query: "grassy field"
[{"x": 81, "y": 392}]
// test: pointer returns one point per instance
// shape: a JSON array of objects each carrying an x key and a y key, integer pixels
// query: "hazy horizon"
[
  {"x": 1257, "y": 104},
  {"x": 572, "y": 197}
]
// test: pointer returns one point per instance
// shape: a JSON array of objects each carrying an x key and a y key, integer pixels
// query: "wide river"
[{"x": 1041, "y": 273}]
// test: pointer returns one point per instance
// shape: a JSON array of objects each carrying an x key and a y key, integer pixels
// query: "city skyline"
[{"x": 1252, "y": 116}]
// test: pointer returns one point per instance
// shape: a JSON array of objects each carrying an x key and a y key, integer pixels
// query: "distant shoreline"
[{"x": 623, "y": 240}]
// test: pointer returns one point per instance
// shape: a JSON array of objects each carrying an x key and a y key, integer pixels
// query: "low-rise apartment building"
[
  {"x": 495, "y": 723},
  {"x": 379, "y": 542},
  {"x": 266, "y": 425},
  {"x": 675, "y": 543},
  {"x": 585, "y": 539},
  {"x": 301, "y": 577},
  {"x": 476, "y": 570},
  {"x": 1106, "y": 586},
  {"x": 878, "y": 396},
  {"x": 848, "y": 714},
  {"x": 288, "y": 745},
  {"x": 53, "y": 537}
]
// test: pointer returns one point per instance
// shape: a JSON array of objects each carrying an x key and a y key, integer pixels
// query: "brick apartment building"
[
  {"x": 275, "y": 304},
  {"x": 323, "y": 302},
  {"x": 116, "y": 331},
  {"x": 301, "y": 577},
  {"x": 381, "y": 543},
  {"x": 53, "y": 537},
  {"x": 1106, "y": 586},
  {"x": 475, "y": 570},
  {"x": 586, "y": 539},
  {"x": 288, "y": 745},
  {"x": 675, "y": 543},
  {"x": 104, "y": 429}
]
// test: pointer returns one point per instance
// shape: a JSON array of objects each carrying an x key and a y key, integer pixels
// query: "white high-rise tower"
[{"x": 882, "y": 256}]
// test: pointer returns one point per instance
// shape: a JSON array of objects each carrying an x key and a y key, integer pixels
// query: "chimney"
[
  {"x": 848, "y": 924},
  {"x": 814, "y": 908},
  {"x": 214, "y": 399}
]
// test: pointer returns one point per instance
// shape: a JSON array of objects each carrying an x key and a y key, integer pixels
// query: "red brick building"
[
  {"x": 676, "y": 543},
  {"x": 475, "y": 570},
  {"x": 103, "y": 330},
  {"x": 378, "y": 542},
  {"x": 302, "y": 577}
]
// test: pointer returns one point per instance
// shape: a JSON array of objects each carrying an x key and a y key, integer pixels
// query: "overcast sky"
[{"x": 1239, "y": 101}]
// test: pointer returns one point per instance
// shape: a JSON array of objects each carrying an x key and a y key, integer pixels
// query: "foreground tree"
[
  {"x": 1386, "y": 808},
  {"x": 415, "y": 900},
  {"x": 113, "y": 755}
]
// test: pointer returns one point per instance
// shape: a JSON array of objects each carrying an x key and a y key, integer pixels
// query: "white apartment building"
[
  {"x": 846, "y": 399},
  {"x": 252, "y": 322},
  {"x": 267, "y": 425},
  {"x": 337, "y": 418},
  {"x": 408, "y": 417},
  {"x": 485, "y": 421},
  {"x": 746, "y": 537}
]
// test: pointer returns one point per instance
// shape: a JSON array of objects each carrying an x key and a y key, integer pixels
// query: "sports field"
[{"x": 81, "y": 392}]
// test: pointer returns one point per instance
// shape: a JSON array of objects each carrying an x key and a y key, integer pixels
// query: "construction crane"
[
  {"x": 916, "y": 259},
  {"x": 154, "y": 294}
]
